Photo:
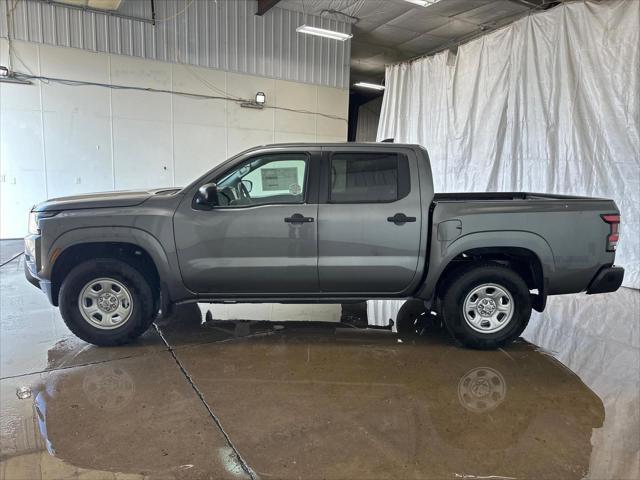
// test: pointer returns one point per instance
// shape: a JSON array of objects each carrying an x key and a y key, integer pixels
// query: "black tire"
[
  {"x": 455, "y": 290},
  {"x": 142, "y": 302},
  {"x": 409, "y": 317},
  {"x": 414, "y": 319}
]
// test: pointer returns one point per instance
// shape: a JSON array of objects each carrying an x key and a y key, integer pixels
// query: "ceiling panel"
[
  {"x": 388, "y": 35},
  {"x": 492, "y": 13},
  {"x": 424, "y": 43},
  {"x": 454, "y": 28},
  {"x": 367, "y": 51},
  {"x": 450, "y": 8},
  {"x": 379, "y": 13},
  {"x": 418, "y": 20}
]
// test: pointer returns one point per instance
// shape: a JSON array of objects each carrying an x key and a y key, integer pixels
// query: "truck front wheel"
[
  {"x": 106, "y": 302},
  {"x": 486, "y": 306}
]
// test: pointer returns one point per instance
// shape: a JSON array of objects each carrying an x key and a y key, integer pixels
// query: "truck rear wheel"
[
  {"x": 106, "y": 302},
  {"x": 486, "y": 306}
]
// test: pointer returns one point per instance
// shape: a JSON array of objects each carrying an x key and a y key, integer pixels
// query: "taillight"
[{"x": 613, "y": 219}]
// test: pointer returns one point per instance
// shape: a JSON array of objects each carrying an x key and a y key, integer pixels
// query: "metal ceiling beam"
[{"x": 265, "y": 5}]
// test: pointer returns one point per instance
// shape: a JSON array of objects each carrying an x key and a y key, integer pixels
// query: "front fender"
[
  {"x": 130, "y": 235},
  {"x": 443, "y": 252}
]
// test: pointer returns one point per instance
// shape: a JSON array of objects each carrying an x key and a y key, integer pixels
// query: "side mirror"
[{"x": 207, "y": 196}]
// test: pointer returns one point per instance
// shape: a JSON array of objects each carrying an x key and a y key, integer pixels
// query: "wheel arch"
[
  {"x": 132, "y": 245},
  {"x": 527, "y": 253}
]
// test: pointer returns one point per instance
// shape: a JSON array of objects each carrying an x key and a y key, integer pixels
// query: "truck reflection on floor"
[{"x": 321, "y": 400}]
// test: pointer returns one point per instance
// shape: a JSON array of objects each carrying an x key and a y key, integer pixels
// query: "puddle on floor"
[{"x": 131, "y": 418}]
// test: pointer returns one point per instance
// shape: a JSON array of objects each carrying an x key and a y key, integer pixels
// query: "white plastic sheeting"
[
  {"x": 598, "y": 337},
  {"x": 550, "y": 103},
  {"x": 379, "y": 312}
]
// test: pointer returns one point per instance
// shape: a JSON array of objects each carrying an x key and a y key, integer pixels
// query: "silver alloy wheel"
[
  {"x": 105, "y": 303},
  {"x": 488, "y": 308}
]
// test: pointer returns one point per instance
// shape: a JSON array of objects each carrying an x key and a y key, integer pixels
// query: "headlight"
[{"x": 34, "y": 221}]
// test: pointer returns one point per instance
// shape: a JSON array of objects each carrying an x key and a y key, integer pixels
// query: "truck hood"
[{"x": 100, "y": 200}]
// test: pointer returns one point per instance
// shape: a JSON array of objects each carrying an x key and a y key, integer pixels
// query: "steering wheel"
[{"x": 242, "y": 188}]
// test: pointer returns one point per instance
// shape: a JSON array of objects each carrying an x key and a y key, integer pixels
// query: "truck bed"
[
  {"x": 495, "y": 196},
  {"x": 567, "y": 232}
]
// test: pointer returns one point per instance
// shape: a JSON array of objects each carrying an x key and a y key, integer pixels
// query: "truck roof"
[
  {"x": 302, "y": 145},
  {"x": 342, "y": 144}
]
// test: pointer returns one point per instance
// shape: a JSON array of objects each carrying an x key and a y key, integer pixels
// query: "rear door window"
[{"x": 368, "y": 177}]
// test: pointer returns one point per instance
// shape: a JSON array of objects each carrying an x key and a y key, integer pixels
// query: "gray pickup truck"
[{"x": 334, "y": 223}]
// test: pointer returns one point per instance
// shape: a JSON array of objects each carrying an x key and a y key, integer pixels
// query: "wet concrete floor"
[
  {"x": 251, "y": 399},
  {"x": 10, "y": 249}
]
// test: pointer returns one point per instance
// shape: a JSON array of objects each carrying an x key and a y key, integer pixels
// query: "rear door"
[{"x": 369, "y": 221}]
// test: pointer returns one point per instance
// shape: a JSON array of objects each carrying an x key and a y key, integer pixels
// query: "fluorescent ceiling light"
[
  {"x": 104, "y": 4},
  {"x": 321, "y": 32},
  {"x": 372, "y": 86},
  {"x": 422, "y": 3},
  {"x": 98, "y": 4}
]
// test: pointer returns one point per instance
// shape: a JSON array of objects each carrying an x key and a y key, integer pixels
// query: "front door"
[
  {"x": 369, "y": 222},
  {"x": 261, "y": 238}
]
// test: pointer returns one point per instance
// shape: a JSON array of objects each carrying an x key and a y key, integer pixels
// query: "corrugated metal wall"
[
  {"x": 368, "y": 118},
  {"x": 222, "y": 34}
]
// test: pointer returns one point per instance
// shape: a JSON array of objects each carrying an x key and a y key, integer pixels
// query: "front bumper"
[
  {"x": 608, "y": 279},
  {"x": 29, "y": 273},
  {"x": 31, "y": 268}
]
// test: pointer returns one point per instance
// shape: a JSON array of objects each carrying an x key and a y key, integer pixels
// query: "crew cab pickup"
[{"x": 333, "y": 223}]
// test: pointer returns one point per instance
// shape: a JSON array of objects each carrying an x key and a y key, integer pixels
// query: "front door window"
[{"x": 267, "y": 180}]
